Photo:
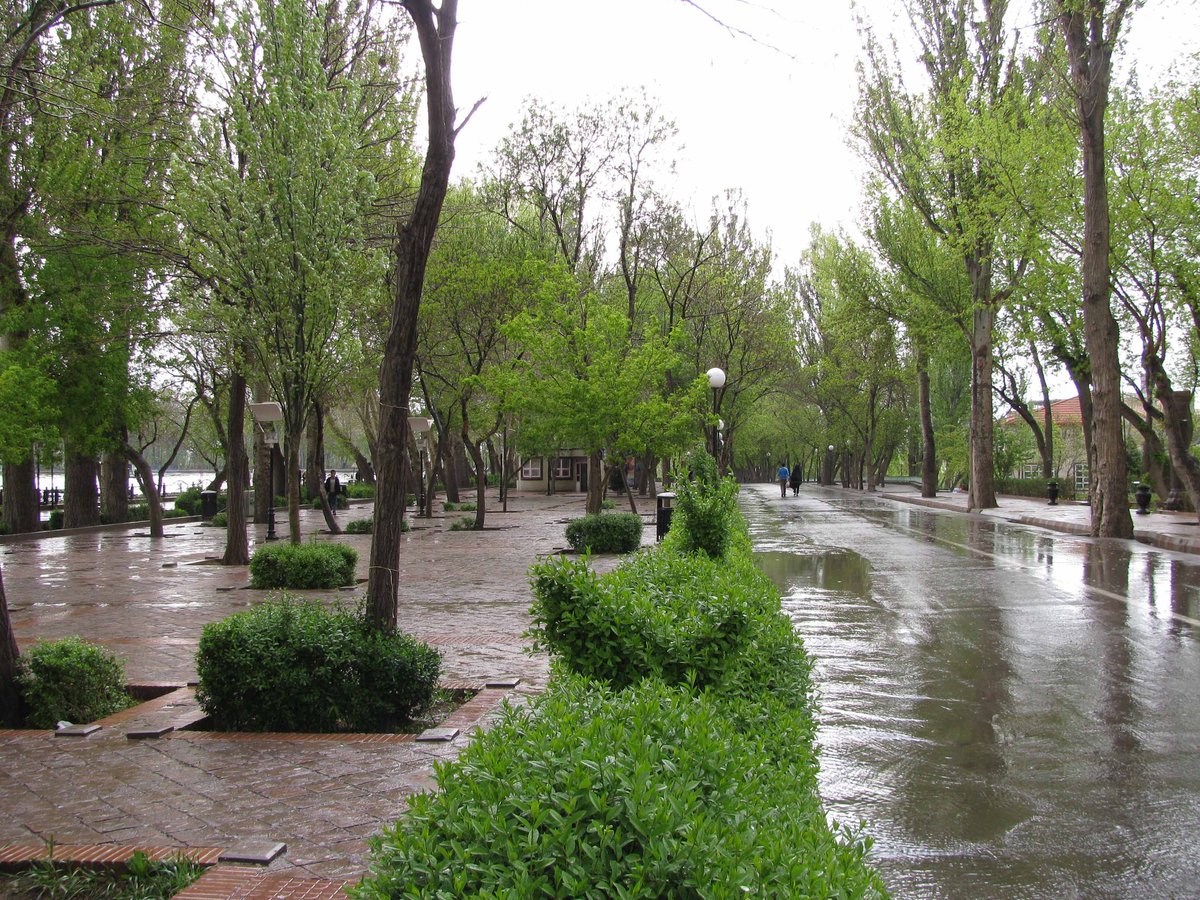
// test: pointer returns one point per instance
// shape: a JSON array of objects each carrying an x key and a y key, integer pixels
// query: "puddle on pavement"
[{"x": 833, "y": 571}]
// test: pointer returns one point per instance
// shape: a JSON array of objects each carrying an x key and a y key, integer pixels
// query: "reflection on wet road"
[{"x": 1013, "y": 713}]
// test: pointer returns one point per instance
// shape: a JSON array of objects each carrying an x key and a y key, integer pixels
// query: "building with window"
[
  {"x": 568, "y": 472},
  {"x": 1070, "y": 447}
]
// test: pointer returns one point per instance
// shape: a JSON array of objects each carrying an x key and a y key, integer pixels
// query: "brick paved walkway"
[{"x": 464, "y": 592}]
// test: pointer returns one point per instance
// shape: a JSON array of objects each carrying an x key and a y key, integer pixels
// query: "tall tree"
[
  {"x": 1091, "y": 29},
  {"x": 948, "y": 152},
  {"x": 435, "y": 25}
]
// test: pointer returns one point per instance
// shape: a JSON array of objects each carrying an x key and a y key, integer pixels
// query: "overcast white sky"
[{"x": 770, "y": 123}]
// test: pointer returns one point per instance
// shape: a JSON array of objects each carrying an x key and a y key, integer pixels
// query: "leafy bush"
[
  {"x": 607, "y": 504},
  {"x": 650, "y": 792},
  {"x": 56, "y": 520},
  {"x": 359, "y": 490},
  {"x": 175, "y": 514},
  {"x": 70, "y": 680},
  {"x": 1035, "y": 487},
  {"x": 287, "y": 665},
  {"x": 685, "y": 619},
  {"x": 137, "y": 512},
  {"x": 303, "y": 566},
  {"x": 606, "y": 533},
  {"x": 220, "y": 520},
  {"x": 189, "y": 501},
  {"x": 466, "y": 523},
  {"x": 705, "y": 510},
  {"x": 4, "y": 529},
  {"x": 363, "y": 526}
]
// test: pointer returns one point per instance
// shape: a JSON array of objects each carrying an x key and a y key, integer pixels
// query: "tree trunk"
[
  {"x": 596, "y": 481},
  {"x": 982, "y": 489},
  {"x": 292, "y": 455},
  {"x": 149, "y": 485},
  {"x": 237, "y": 547},
  {"x": 22, "y": 512},
  {"x": 1089, "y": 49},
  {"x": 81, "y": 496},
  {"x": 413, "y": 240},
  {"x": 11, "y": 710},
  {"x": 314, "y": 469},
  {"x": 928, "y": 440},
  {"x": 114, "y": 484}
]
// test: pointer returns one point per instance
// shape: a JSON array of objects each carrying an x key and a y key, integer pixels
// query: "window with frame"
[
  {"x": 531, "y": 469},
  {"x": 562, "y": 467},
  {"x": 1082, "y": 479}
]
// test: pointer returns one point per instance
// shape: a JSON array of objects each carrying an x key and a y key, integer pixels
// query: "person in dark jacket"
[{"x": 795, "y": 479}]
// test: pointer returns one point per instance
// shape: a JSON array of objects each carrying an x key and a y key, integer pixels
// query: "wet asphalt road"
[{"x": 1011, "y": 712}]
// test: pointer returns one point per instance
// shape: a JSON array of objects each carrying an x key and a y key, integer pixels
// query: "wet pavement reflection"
[{"x": 1012, "y": 713}]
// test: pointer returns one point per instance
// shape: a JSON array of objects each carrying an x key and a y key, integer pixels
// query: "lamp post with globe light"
[
  {"x": 266, "y": 416},
  {"x": 716, "y": 381}
]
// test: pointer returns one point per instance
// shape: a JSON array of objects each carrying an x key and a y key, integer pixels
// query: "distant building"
[
  {"x": 1070, "y": 447},
  {"x": 568, "y": 471}
]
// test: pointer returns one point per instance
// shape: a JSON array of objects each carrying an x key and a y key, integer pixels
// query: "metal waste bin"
[
  {"x": 208, "y": 504},
  {"x": 666, "y": 505}
]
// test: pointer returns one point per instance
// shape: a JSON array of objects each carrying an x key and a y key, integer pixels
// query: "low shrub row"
[
  {"x": 671, "y": 756},
  {"x": 605, "y": 533},
  {"x": 289, "y": 665},
  {"x": 303, "y": 566}
]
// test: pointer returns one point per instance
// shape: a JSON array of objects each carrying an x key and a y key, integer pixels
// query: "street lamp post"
[
  {"x": 266, "y": 415},
  {"x": 716, "y": 381},
  {"x": 829, "y": 466}
]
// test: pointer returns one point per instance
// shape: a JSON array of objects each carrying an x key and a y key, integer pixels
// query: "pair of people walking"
[{"x": 791, "y": 477}]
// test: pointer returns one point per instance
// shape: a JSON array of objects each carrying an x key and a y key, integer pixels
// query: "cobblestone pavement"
[{"x": 464, "y": 592}]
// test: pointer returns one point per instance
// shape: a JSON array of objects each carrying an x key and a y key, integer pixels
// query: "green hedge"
[
  {"x": 287, "y": 665},
  {"x": 605, "y": 533},
  {"x": 682, "y": 618},
  {"x": 70, "y": 680},
  {"x": 1035, "y": 487},
  {"x": 303, "y": 566},
  {"x": 358, "y": 490},
  {"x": 650, "y": 792},
  {"x": 705, "y": 517},
  {"x": 673, "y": 754}
]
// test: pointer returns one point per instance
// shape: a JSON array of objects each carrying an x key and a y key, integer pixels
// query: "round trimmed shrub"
[
  {"x": 303, "y": 566},
  {"x": 605, "y": 533},
  {"x": 70, "y": 680},
  {"x": 288, "y": 665}
]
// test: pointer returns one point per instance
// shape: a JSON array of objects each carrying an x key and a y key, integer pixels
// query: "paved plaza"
[{"x": 465, "y": 593}]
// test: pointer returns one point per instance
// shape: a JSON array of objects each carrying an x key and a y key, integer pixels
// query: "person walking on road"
[
  {"x": 333, "y": 487},
  {"x": 794, "y": 480},
  {"x": 783, "y": 475}
]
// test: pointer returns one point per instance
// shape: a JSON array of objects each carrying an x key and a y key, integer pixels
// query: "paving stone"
[{"x": 258, "y": 853}]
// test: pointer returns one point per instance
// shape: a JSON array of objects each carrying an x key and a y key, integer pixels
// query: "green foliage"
[
  {"x": 705, "y": 512},
  {"x": 189, "y": 501},
  {"x": 288, "y": 665},
  {"x": 172, "y": 514},
  {"x": 682, "y": 618},
  {"x": 71, "y": 680},
  {"x": 359, "y": 490},
  {"x": 220, "y": 520},
  {"x": 466, "y": 523},
  {"x": 450, "y": 506},
  {"x": 611, "y": 533},
  {"x": 303, "y": 566},
  {"x": 55, "y": 520},
  {"x": 1035, "y": 487},
  {"x": 364, "y": 526},
  {"x": 137, "y": 512},
  {"x": 650, "y": 792},
  {"x": 607, "y": 504},
  {"x": 140, "y": 879}
]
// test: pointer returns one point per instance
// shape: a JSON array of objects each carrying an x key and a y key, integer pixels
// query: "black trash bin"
[
  {"x": 666, "y": 505},
  {"x": 208, "y": 504}
]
